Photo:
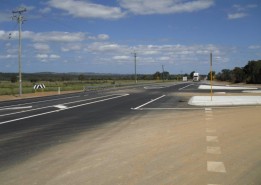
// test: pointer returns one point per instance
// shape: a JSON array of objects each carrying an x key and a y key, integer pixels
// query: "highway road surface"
[{"x": 143, "y": 135}]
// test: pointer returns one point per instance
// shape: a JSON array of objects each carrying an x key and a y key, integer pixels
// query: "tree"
[
  {"x": 225, "y": 75},
  {"x": 14, "y": 79},
  {"x": 253, "y": 72},
  {"x": 191, "y": 74},
  {"x": 157, "y": 75},
  {"x": 238, "y": 75},
  {"x": 81, "y": 77},
  {"x": 213, "y": 75}
]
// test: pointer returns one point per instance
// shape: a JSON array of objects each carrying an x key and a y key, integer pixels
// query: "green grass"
[{"x": 8, "y": 88}]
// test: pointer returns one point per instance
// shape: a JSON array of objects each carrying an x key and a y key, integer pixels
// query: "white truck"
[{"x": 196, "y": 77}]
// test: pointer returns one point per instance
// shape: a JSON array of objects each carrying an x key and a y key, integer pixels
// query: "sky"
[{"x": 101, "y": 36}]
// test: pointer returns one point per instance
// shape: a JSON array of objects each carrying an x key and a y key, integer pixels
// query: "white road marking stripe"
[
  {"x": 208, "y": 109},
  {"x": 210, "y": 130},
  {"x": 119, "y": 96},
  {"x": 16, "y": 108},
  {"x": 212, "y": 139},
  {"x": 169, "y": 108},
  {"x": 52, "y": 105},
  {"x": 61, "y": 106},
  {"x": 213, "y": 150},
  {"x": 40, "y": 101},
  {"x": 185, "y": 87},
  {"x": 213, "y": 166},
  {"x": 148, "y": 102}
]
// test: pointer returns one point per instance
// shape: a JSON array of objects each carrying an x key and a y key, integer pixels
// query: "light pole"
[
  {"x": 135, "y": 66},
  {"x": 211, "y": 77}
]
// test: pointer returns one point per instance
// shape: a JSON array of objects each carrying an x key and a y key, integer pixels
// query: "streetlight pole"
[
  {"x": 135, "y": 66},
  {"x": 211, "y": 77},
  {"x": 20, "y": 20}
]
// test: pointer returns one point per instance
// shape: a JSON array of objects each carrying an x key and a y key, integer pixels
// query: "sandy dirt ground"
[{"x": 157, "y": 147}]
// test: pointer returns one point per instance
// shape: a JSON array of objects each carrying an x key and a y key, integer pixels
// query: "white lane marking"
[
  {"x": 185, "y": 87},
  {"x": 40, "y": 101},
  {"x": 214, "y": 166},
  {"x": 208, "y": 109},
  {"x": 213, "y": 150},
  {"x": 169, "y": 108},
  {"x": 208, "y": 130},
  {"x": 52, "y": 105},
  {"x": 119, "y": 96},
  {"x": 212, "y": 139},
  {"x": 148, "y": 102},
  {"x": 61, "y": 106},
  {"x": 16, "y": 108},
  {"x": 155, "y": 87}
]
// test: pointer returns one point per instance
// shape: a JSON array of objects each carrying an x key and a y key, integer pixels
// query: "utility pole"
[
  {"x": 163, "y": 73},
  {"x": 135, "y": 66},
  {"x": 211, "y": 77},
  {"x": 17, "y": 14}
]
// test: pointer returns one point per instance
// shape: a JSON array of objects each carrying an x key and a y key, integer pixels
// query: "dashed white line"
[
  {"x": 185, "y": 87},
  {"x": 214, "y": 166},
  {"x": 208, "y": 130},
  {"x": 213, "y": 150},
  {"x": 212, "y": 139}
]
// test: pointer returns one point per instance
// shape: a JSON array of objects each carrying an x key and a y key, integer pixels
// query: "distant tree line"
[
  {"x": 250, "y": 73},
  {"x": 56, "y": 77}
]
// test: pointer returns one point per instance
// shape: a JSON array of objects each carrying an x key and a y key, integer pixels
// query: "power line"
[{"x": 17, "y": 14}]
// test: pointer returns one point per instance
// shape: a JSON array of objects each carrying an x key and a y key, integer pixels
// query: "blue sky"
[{"x": 101, "y": 35}]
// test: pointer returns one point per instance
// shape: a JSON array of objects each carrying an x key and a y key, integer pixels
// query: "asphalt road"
[
  {"x": 30, "y": 125},
  {"x": 29, "y": 128}
]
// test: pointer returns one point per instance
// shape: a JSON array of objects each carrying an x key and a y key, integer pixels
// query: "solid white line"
[
  {"x": 148, "y": 102},
  {"x": 185, "y": 87},
  {"x": 169, "y": 108},
  {"x": 40, "y": 101},
  {"x": 213, "y": 166},
  {"x": 53, "y": 105},
  {"x": 15, "y": 108},
  {"x": 119, "y": 96}
]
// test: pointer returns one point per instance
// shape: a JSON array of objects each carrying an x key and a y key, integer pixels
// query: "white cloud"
[
  {"x": 53, "y": 56},
  {"x": 124, "y": 57},
  {"x": 54, "y": 36},
  {"x": 240, "y": 11},
  {"x": 237, "y": 15},
  {"x": 104, "y": 47},
  {"x": 165, "y": 7},
  {"x": 41, "y": 47},
  {"x": 45, "y": 10},
  {"x": 254, "y": 47},
  {"x": 103, "y": 37},
  {"x": 46, "y": 57},
  {"x": 87, "y": 10},
  {"x": 42, "y": 56}
]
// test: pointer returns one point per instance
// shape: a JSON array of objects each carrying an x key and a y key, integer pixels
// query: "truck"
[{"x": 196, "y": 77}]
